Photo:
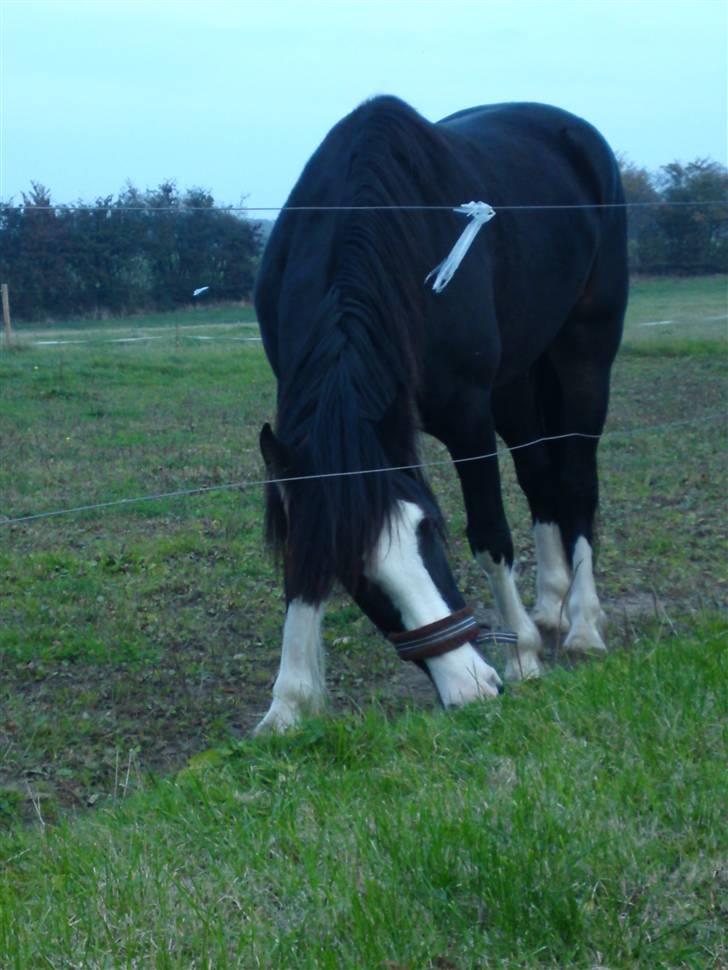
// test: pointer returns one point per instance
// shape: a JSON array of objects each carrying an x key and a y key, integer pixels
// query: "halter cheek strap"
[{"x": 442, "y": 636}]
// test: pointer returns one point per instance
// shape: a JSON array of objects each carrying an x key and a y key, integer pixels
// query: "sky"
[{"x": 234, "y": 95}]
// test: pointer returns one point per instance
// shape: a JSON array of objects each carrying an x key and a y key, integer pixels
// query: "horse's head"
[
  {"x": 332, "y": 525},
  {"x": 401, "y": 577}
]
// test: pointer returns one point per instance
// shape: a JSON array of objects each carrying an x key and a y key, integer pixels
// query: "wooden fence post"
[{"x": 6, "y": 314}]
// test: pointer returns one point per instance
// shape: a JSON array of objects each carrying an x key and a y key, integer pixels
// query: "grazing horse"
[{"x": 520, "y": 342}]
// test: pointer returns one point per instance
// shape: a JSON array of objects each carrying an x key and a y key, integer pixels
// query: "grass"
[
  {"x": 684, "y": 314},
  {"x": 199, "y": 314},
  {"x": 576, "y": 822},
  {"x": 135, "y": 637}
]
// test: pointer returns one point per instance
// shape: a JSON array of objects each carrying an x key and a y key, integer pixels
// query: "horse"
[{"x": 366, "y": 354}]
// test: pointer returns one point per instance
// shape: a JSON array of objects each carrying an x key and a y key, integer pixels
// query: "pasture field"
[
  {"x": 677, "y": 312},
  {"x": 573, "y": 822},
  {"x": 218, "y": 314}
]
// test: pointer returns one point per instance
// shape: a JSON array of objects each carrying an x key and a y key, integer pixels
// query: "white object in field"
[
  {"x": 479, "y": 213},
  {"x": 200, "y": 290}
]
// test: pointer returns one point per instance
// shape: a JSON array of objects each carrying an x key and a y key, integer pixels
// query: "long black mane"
[{"x": 340, "y": 302}]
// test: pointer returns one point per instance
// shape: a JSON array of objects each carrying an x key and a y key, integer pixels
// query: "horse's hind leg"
[
  {"x": 584, "y": 407},
  {"x": 490, "y": 536},
  {"x": 582, "y": 358}
]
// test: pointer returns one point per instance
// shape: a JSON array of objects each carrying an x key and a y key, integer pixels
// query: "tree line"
[
  {"x": 139, "y": 251},
  {"x": 151, "y": 250},
  {"x": 687, "y": 237}
]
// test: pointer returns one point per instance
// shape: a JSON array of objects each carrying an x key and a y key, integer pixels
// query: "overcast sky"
[{"x": 234, "y": 96}]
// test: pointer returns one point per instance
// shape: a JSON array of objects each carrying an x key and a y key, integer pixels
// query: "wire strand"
[
  {"x": 181, "y": 209},
  {"x": 184, "y": 492}
]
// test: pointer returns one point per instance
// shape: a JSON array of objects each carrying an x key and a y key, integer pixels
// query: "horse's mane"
[{"x": 347, "y": 402}]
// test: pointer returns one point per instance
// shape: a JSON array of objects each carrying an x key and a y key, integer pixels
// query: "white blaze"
[{"x": 397, "y": 567}]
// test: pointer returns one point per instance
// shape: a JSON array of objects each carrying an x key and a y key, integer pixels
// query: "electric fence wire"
[
  {"x": 185, "y": 492},
  {"x": 182, "y": 209},
  {"x": 178, "y": 493}
]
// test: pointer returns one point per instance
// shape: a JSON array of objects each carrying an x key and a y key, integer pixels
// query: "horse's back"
[
  {"x": 536, "y": 152},
  {"x": 529, "y": 269}
]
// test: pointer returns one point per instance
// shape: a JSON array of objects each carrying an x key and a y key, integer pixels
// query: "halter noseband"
[{"x": 442, "y": 636}]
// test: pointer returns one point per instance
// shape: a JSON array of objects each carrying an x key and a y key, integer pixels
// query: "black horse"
[{"x": 521, "y": 342}]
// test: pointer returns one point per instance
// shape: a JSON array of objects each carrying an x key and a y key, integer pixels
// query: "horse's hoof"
[
  {"x": 279, "y": 719},
  {"x": 587, "y": 641},
  {"x": 551, "y": 620},
  {"x": 523, "y": 665}
]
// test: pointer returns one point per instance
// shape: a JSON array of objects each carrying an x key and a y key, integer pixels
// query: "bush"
[{"x": 141, "y": 251}]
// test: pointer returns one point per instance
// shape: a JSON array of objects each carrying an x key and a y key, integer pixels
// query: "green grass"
[
  {"x": 686, "y": 315},
  {"x": 576, "y": 822},
  {"x": 100, "y": 423},
  {"x": 199, "y": 314}
]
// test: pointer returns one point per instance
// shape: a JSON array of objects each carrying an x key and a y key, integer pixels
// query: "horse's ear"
[{"x": 274, "y": 452}]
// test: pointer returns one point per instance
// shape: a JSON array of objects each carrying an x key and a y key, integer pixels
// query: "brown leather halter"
[{"x": 442, "y": 636}]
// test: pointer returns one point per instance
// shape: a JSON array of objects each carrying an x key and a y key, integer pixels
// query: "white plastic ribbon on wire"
[{"x": 479, "y": 213}]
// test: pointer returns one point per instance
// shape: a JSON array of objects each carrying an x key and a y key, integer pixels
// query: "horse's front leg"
[
  {"x": 408, "y": 586},
  {"x": 299, "y": 688},
  {"x": 491, "y": 543}
]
